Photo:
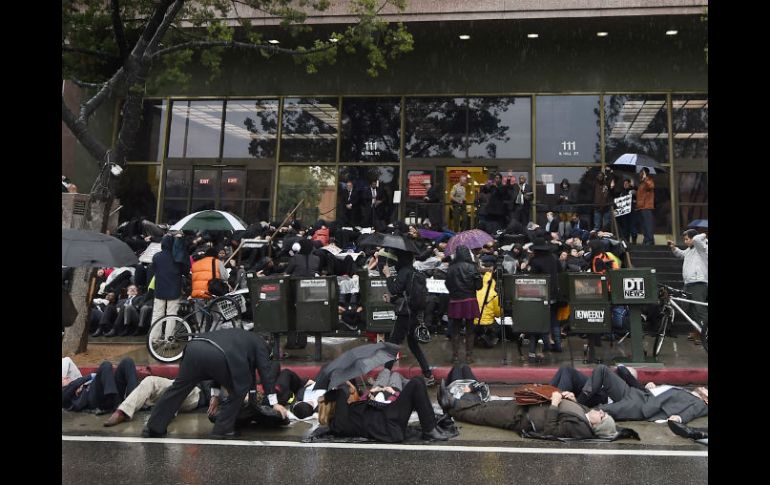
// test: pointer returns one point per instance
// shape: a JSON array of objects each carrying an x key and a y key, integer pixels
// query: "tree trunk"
[{"x": 76, "y": 337}]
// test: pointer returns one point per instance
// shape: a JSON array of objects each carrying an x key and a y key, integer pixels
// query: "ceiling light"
[
  {"x": 273, "y": 41},
  {"x": 602, "y": 34},
  {"x": 465, "y": 36},
  {"x": 672, "y": 32},
  {"x": 532, "y": 36}
]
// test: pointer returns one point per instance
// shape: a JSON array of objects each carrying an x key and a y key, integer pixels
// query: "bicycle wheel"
[
  {"x": 665, "y": 319},
  {"x": 168, "y": 337}
]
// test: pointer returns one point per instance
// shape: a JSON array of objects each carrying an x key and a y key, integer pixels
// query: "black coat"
[
  {"x": 361, "y": 419},
  {"x": 544, "y": 262},
  {"x": 168, "y": 273},
  {"x": 463, "y": 278}
]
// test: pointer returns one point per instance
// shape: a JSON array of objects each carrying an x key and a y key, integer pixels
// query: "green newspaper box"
[
  {"x": 531, "y": 310},
  {"x": 315, "y": 302},
  {"x": 589, "y": 301},
  {"x": 633, "y": 286},
  {"x": 270, "y": 298},
  {"x": 380, "y": 316}
]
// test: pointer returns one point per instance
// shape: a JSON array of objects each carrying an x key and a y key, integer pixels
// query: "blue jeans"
[
  {"x": 601, "y": 219},
  {"x": 646, "y": 215}
]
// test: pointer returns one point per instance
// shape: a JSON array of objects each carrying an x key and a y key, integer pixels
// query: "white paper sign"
[
  {"x": 152, "y": 249},
  {"x": 550, "y": 189},
  {"x": 436, "y": 286},
  {"x": 396, "y": 196},
  {"x": 312, "y": 283},
  {"x": 622, "y": 205},
  {"x": 384, "y": 315}
]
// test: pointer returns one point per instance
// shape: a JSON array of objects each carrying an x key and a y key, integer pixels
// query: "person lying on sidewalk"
[
  {"x": 567, "y": 378},
  {"x": 561, "y": 418},
  {"x": 147, "y": 393},
  {"x": 651, "y": 404},
  {"x": 102, "y": 390}
]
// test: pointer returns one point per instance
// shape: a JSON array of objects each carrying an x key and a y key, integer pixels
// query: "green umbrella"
[{"x": 210, "y": 220}]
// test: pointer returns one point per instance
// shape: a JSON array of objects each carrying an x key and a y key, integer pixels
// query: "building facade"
[{"x": 517, "y": 88}]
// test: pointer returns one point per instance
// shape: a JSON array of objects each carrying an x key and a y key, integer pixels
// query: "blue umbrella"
[
  {"x": 699, "y": 223},
  {"x": 635, "y": 162}
]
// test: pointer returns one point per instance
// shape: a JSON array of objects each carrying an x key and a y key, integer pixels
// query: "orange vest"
[{"x": 201, "y": 274}]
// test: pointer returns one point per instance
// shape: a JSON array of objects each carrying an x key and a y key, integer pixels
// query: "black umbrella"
[
  {"x": 699, "y": 223},
  {"x": 392, "y": 241},
  {"x": 89, "y": 248},
  {"x": 356, "y": 362}
]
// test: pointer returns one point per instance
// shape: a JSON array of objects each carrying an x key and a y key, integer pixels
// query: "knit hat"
[{"x": 605, "y": 428}]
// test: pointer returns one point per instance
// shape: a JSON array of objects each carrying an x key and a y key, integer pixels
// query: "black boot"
[
  {"x": 688, "y": 432},
  {"x": 434, "y": 435}
]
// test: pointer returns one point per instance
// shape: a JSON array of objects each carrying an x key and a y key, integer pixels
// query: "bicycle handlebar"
[{"x": 674, "y": 291}]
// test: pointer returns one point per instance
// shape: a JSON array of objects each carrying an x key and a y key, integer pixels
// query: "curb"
[{"x": 678, "y": 376}]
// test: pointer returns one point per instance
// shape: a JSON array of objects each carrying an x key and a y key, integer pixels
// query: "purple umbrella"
[
  {"x": 474, "y": 239},
  {"x": 434, "y": 235}
]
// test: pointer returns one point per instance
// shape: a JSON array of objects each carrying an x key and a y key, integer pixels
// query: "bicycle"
[
  {"x": 669, "y": 297},
  {"x": 168, "y": 336}
]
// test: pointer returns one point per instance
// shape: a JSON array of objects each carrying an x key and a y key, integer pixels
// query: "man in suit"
[
  {"x": 522, "y": 199},
  {"x": 562, "y": 417},
  {"x": 229, "y": 357},
  {"x": 652, "y": 403},
  {"x": 101, "y": 390},
  {"x": 371, "y": 202},
  {"x": 348, "y": 205}
]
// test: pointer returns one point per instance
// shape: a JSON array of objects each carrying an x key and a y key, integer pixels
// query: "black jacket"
[
  {"x": 544, "y": 262},
  {"x": 463, "y": 278},
  {"x": 168, "y": 273}
]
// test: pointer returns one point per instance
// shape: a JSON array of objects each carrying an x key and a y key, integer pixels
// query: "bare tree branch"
[
  {"x": 79, "y": 128},
  {"x": 89, "y": 107},
  {"x": 120, "y": 34},
  {"x": 167, "y": 20}
]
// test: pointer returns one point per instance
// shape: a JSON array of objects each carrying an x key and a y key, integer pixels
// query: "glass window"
[
  {"x": 386, "y": 178},
  {"x": 436, "y": 127},
  {"x": 371, "y": 129},
  {"x": 499, "y": 127},
  {"x": 567, "y": 129},
  {"x": 138, "y": 191},
  {"x": 689, "y": 213},
  {"x": 635, "y": 124},
  {"x": 259, "y": 184},
  {"x": 204, "y": 183},
  {"x": 177, "y": 183},
  {"x": 693, "y": 187},
  {"x": 309, "y": 130},
  {"x": 579, "y": 189},
  {"x": 251, "y": 128},
  {"x": 152, "y": 130},
  {"x": 690, "y": 122},
  {"x": 195, "y": 129},
  {"x": 315, "y": 185},
  {"x": 232, "y": 184},
  {"x": 256, "y": 210},
  {"x": 173, "y": 210}
]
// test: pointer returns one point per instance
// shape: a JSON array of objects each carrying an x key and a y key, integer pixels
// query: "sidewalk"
[{"x": 684, "y": 363}]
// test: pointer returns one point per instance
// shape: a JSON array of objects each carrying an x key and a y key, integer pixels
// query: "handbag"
[
  {"x": 528, "y": 394},
  {"x": 216, "y": 287}
]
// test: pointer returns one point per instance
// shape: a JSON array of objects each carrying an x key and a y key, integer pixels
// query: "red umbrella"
[{"x": 474, "y": 239}]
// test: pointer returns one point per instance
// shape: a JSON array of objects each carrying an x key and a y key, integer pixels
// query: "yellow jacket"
[{"x": 492, "y": 309}]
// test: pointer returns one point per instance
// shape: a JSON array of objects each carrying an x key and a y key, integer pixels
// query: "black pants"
[
  {"x": 459, "y": 372},
  {"x": 413, "y": 397},
  {"x": 404, "y": 327},
  {"x": 201, "y": 361},
  {"x": 699, "y": 292},
  {"x": 110, "y": 388}
]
